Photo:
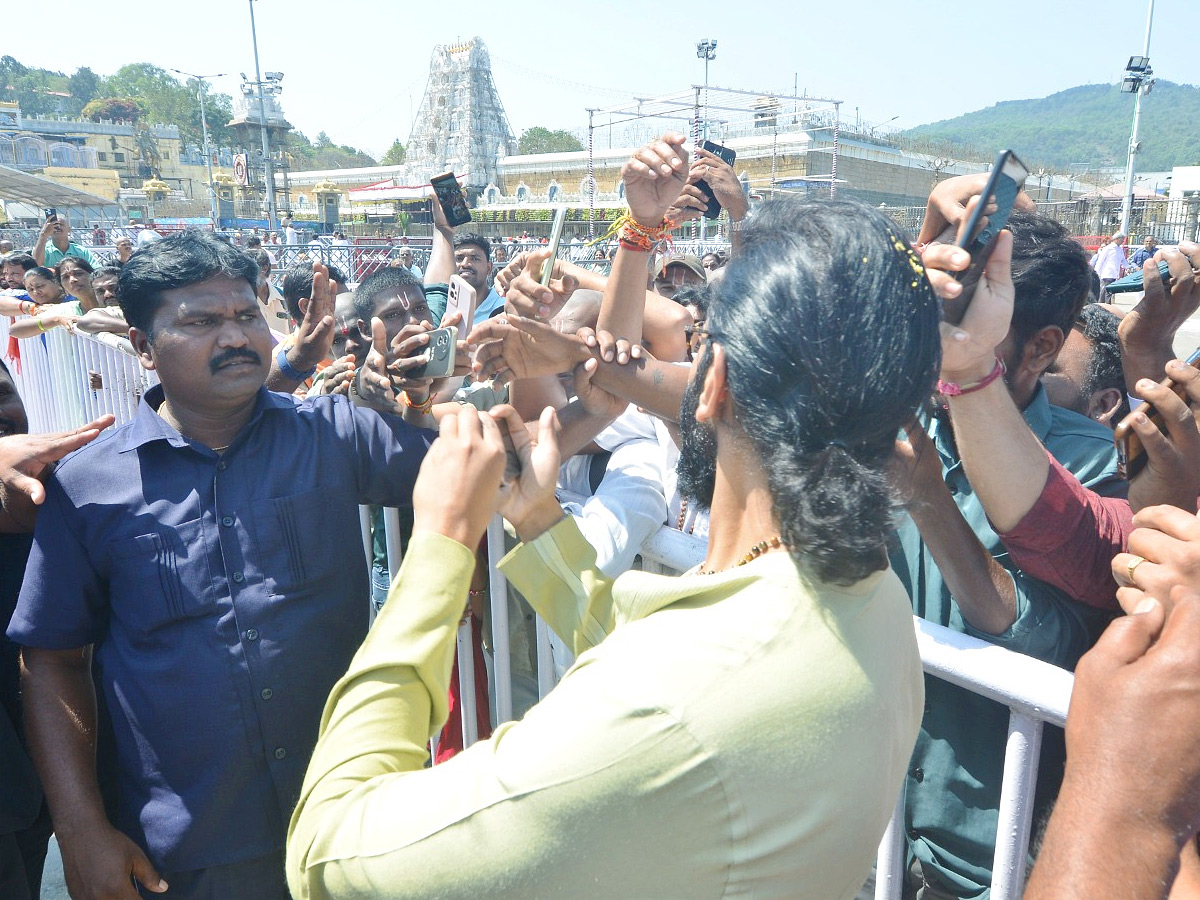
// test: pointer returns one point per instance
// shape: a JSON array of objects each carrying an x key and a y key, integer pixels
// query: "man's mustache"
[{"x": 232, "y": 356}]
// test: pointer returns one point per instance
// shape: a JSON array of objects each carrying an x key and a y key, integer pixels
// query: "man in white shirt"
[{"x": 1111, "y": 263}]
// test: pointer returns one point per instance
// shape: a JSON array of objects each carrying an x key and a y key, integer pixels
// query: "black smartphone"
[
  {"x": 1004, "y": 183},
  {"x": 443, "y": 344},
  {"x": 1134, "y": 280},
  {"x": 51, "y": 213},
  {"x": 452, "y": 198},
  {"x": 714, "y": 205},
  {"x": 1131, "y": 452}
]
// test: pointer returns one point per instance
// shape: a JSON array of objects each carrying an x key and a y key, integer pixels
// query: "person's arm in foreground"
[
  {"x": 440, "y": 266},
  {"x": 60, "y": 719},
  {"x": 48, "y": 317},
  {"x": 654, "y": 177},
  {"x": 95, "y": 321},
  {"x": 1130, "y": 797},
  {"x": 370, "y": 814},
  {"x": 983, "y": 589}
]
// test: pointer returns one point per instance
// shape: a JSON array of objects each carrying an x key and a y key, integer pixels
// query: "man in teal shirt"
[
  {"x": 54, "y": 243},
  {"x": 958, "y": 574}
]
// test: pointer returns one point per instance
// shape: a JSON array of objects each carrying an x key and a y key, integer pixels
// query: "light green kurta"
[{"x": 729, "y": 735}]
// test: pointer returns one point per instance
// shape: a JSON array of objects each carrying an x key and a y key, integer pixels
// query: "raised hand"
[
  {"x": 528, "y": 502},
  {"x": 723, "y": 182},
  {"x": 1172, "y": 471},
  {"x": 468, "y": 454},
  {"x": 524, "y": 294},
  {"x": 969, "y": 348},
  {"x": 314, "y": 336},
  {"x": 1148, "y": 330},
  {"x": 373, "y": 383},
  {"x": 24, "y": 459},
  {"x": 946, "y": 209},
  {"x": 514, "y": 347},
  {"x": 654, "y": 177}
]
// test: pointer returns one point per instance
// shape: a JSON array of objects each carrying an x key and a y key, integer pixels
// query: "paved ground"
[{"x": 53, "y": 886}]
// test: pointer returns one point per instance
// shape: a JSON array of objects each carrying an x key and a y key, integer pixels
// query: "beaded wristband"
[
  {"x": 950, "y": 389},
  {"x": 423, "y": 407}
]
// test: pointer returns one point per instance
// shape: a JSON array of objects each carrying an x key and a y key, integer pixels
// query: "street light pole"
[
  {"x": 706, "y": 49},
  {"x": 212, "y": 188},
  {"x": 1138, "y": 81},
  {"x": 268, "y": 170}
]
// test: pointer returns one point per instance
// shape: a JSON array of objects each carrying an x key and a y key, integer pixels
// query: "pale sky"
[{"x": 356, "y": 69}]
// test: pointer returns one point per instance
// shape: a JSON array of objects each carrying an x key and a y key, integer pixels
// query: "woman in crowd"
[{"x": 75, "y": 275}]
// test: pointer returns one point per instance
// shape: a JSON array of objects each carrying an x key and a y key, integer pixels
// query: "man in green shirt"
[
  {"x": 740, "y": 730},
  {"x": 958, "y": 573},
  {"x": 54, "y": 242}
]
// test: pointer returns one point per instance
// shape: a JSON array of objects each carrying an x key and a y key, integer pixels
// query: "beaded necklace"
[{"x": 763, "y": 546}]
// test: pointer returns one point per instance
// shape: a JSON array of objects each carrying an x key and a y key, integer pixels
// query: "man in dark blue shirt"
[{"x": 209, "y": 552}]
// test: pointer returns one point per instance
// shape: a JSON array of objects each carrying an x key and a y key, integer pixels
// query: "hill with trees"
[
  {"x": 1085, "y": 125},
  {"x": 153, "y": 95}
]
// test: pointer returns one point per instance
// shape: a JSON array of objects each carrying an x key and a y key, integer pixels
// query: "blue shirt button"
[
  {"x": 238, "y": 577},
  {"x": 267, "y": 693},
  {"x": 227, "y": 521},
  {"x": 252, "y": 634},
  {"x": 221, "y": 467},
  {"x": 280, "y": 753}
]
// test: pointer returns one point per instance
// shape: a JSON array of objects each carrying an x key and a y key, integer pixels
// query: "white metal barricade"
[{"x": 67, "y": 379}]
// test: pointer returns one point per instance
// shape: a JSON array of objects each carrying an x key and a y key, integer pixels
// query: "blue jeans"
[{"x": 381, "y": 580}]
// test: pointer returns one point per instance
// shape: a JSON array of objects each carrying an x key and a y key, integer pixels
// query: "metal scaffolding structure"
[
  {"x": 724, "y": 114},
  {"x": 461, "y": 125}
]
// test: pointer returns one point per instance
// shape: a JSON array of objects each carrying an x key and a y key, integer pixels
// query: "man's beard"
[{"x": 697, "y": 466}]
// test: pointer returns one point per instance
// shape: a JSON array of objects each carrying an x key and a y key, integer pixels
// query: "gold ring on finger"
[{"x": 1133, "y": 564}]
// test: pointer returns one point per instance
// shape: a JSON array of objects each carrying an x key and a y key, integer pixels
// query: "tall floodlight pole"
[
  {"x": 212, "y": 188},
  {"x": 1138, "y": 80},
  {"x": 268, "y": 170},
  {"x": 707, "y": 51}
]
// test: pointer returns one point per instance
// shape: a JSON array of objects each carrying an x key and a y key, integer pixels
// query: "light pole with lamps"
[
  {"x": 202, "y": 84},
  {"x": 268, "y": 171},
  {"x": 1138, "y": 80},
  {"x": 707, "y": 51}
]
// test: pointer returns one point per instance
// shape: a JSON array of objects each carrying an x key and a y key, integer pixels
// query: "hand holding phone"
[
  {"x": 439, "y": 352},
  {"x": 450, "y": 196},
  {"x": 460, "y": 298},
  {"x": 978, "y": 237},
  {"x": 556, "y": 232},
  {"x": 1131, "y": 452},
  {"x": 725, "y": 155}
]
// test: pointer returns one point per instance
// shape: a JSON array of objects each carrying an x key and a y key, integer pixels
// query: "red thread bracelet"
[{"x": 950, "y": 389}]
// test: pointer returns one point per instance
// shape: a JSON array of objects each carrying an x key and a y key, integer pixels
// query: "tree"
[
  {"x": 541, "y": 140},
  {"x": 395, "y": 155},
  {"x": 322, "y": 142},
  {"x": 84, "y": 85},
  {"x": 128, "y": 109}
]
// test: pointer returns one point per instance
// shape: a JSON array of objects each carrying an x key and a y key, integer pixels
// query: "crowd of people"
[{"x": 209, "y": 691}]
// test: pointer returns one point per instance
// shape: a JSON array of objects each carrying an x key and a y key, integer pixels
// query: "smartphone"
[
  {"x": 714, "y": 205},
  {"x": 460, "y": 298},
  {"x": 483, "y": 396},
  {"x": 556, "y": 231},
  {"x": 443, "y": 343},
  {"x": 51, "y": 213},
  {"x": 1005, "y": 182},
  {"x": 452, "y": 198},
  {"x": 1133, "y": 281},
  {"x": 1131, "y": 453}
]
